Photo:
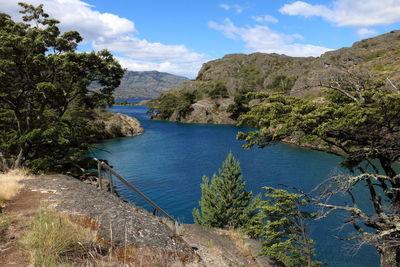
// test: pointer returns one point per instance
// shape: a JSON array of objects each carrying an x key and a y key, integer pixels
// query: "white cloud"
[
  {"x": 350, "y": 13},
  {"x": 260, "y": 38},
  {"x": 79, "y": 16},
  {"x": 109, "y": 31},
  {"x": 143, "y": 55},
  {"x": 266, "y": 18},
  {"x": 365, "y": 32},
  {"x": 187, "y": 69},
  {"x": 144, "y": 50},
  {"x": 238, "y": 8}
]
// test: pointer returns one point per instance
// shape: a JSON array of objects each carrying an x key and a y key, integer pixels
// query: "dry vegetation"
[
  {"x": 53, "y": 239},
  {"x": 9, "y": 183},
  {"x": 57, "y": 239}
]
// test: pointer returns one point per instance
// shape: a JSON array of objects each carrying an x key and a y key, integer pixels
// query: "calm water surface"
[{"x": 168, "y": 161}]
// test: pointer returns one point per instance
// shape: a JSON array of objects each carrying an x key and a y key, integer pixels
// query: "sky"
[{"x": 178, "y": 36}]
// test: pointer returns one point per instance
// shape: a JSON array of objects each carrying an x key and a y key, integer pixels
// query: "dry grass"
[
  {"x": 240, "y": 241},
  {"x": 54, "y": 240},
  {"x": 9, "y": 183}
]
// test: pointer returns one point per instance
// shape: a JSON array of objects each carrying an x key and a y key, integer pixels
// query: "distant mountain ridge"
[{"x": 147, "y": 84}]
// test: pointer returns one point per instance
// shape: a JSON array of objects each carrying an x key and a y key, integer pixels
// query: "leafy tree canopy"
[
  {"x": 44, "y": 95},
  {"x": 358, "y": 120}
]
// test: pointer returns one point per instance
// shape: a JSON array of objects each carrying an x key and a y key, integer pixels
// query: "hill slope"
[
  {"x": 236, "y": 74},
  {"x": 147, "y": 84}
]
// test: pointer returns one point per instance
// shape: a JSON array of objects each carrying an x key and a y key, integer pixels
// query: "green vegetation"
[
  {"x": 282, "y": 84},
  {"x": 169, "y": 103},
  {"x": 252, "y": 80},
  {"x": 240, "y": 106},
  {"x": 216, "y": 90},
  {"x": 5, "y": 222},
  {"x": 281, "y": 225},
  {"x": 359, "y": 121},
  {"x": 224, "y": 200},
  {"x": 54, "y": 240},
  {"x": 46, "y": 121}
]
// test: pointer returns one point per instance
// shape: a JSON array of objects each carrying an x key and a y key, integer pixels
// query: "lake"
[{"x": 168, "y": 161}]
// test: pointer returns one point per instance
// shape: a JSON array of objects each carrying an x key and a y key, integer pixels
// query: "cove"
[{"x": 168, "y": 161}]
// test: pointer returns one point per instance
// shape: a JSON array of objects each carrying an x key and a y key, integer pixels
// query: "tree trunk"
[
  {"x": 390, "y": 254},
  {"x": 3, "y": 162}
]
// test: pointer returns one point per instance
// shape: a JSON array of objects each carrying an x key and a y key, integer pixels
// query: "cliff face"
[{"x": 236, "y": 74}]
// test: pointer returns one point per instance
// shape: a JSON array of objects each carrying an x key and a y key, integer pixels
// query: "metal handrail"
[{"x": 112, "y": 172}]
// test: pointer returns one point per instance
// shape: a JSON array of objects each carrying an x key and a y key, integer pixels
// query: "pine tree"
[
  {"x": 224, "y": 201},
  {"x": 281, "y": 225}
]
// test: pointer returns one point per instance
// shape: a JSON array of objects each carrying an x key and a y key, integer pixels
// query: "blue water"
[{"x": 168, "y": 161}]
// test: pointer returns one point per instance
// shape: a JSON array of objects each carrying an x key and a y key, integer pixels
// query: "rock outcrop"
[
  {"x": 212, "y": 111},
  {"x": 120, "y": 125}
]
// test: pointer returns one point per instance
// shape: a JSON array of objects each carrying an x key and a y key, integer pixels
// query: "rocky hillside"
[
  {"x": 93, "y": 227},
  {"x": 236, "y": 74},
  {"x": 147, "y": 84}
]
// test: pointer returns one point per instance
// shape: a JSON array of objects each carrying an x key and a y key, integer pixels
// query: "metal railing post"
[
  {"x": 157, "y": 209},
  {"x": 111, "y": 181},
  {"x": 99, "y": 179}
]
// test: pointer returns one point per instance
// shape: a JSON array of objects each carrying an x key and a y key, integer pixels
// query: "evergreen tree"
[
  {"x": 281, "y": 225},
  {"x": 224, "y": 201}
]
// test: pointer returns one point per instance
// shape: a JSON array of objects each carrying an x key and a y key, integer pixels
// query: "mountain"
[
  {"x": 147, "y": 84},
  {"x": 219, "y": 81}
]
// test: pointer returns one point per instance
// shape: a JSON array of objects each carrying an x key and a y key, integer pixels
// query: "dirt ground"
[{"x": 22, "y": 207}]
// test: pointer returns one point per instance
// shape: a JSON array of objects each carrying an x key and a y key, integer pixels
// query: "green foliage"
[
  {"x": 217, "y": 89},
  {"x": 168, "y": 103},
  {"x": 282, "y": 84},
  {"x": 252, "y": 78},
  {"x": 281, "y": 225},
  {"x": 44, "y": 96},
  {"x": 224, "y": 200},
  {"x": 359, "y": 120},
  {"x": 240, "y": 107},
  {"x": 362, "y": 125}
]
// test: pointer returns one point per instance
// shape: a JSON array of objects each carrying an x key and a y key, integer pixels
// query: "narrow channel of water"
[{"x": 168, "y": 161}]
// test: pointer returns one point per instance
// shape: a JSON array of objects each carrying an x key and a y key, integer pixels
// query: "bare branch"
[{"x": 395, "y": 89}]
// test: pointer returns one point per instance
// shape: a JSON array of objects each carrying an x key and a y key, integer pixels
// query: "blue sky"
[{"x": 179, "y": 36}]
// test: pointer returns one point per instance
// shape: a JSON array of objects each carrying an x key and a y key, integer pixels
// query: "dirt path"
[{"x": 22, "y": 208}]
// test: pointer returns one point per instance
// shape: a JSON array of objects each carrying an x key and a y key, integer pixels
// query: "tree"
[
  {"x": 281, "y": 226},
  {"x": 44, "y": 95},
  {"x": 359, "y": 120},
  {"x": 224, "y": 200}
]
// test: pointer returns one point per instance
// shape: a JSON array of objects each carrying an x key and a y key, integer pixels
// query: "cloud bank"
[
  {"x": 261, "y": 38},
  {"x": 359, "y": 14}
]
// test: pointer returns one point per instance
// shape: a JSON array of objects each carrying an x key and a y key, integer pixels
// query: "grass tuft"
[
  {"x": 5, "y": 222},
  {"x": 54, "y": 240},
  {"x": 9, "y": 183}
]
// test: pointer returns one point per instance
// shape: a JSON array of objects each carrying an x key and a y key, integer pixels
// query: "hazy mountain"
[{"x": 147, "y": 84}]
